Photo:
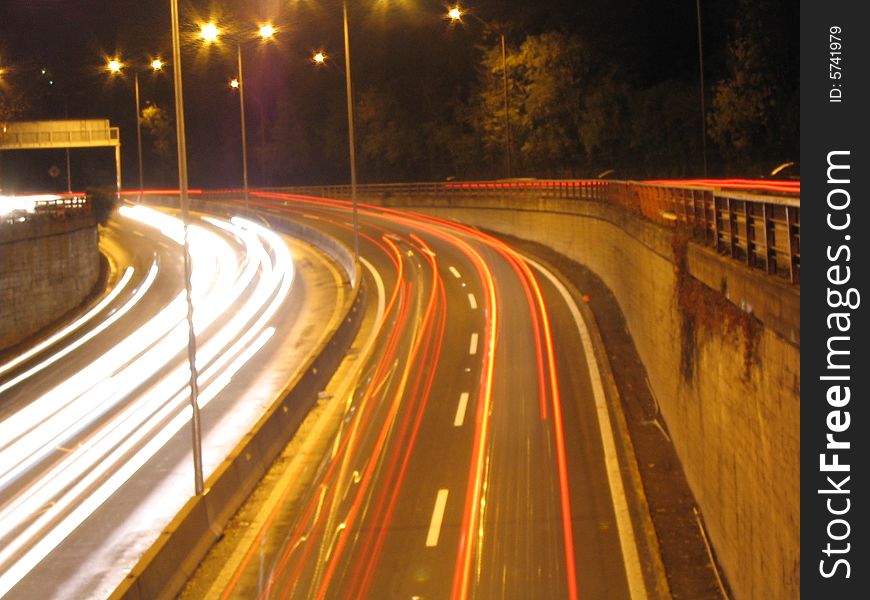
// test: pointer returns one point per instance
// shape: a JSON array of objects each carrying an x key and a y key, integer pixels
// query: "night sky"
[{"x": 392, "y": 41}]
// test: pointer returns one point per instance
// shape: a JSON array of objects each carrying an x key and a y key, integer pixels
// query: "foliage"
[
  {"x": 706, "y": 313},
  {"x": 12, "y": 105},
  {"x": 158, "y": 124},
  {"x": 548, "y": 81},
  {"x": 402, "y": 137},
  {"x": 105, "y": 201},
  {"x": 572, "y": 115},
  {"x": 664, "y": 134},
  {"x": 754, "y": 117}
]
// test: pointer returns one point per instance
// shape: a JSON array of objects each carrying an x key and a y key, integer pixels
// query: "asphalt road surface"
[
  {"x": 472, "y": 454},
  {"x": 95, "y": 436}
]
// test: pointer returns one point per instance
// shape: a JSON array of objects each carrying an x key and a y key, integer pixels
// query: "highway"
[
  {"x": 472, "y": 455},
  {"x": 95, "y": 437}
]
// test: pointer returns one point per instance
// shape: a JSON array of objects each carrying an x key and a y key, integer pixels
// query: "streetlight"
[
  {"x": 115, "y": 66},
  {"x": 701, "y": 70},
  {"x": 350, "y": 134},
  {"x": 266, "y": 31},
  {"x": 319, "y": 59},
  {"x": 209, "y": 32},
  {"x": 185, "y": 209},
  {"x": 455, "y": 15}
]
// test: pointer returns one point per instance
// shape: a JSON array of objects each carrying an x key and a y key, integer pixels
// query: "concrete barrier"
[
  {"x": 727, "y": 381},
  {"x": 163, "y": 571}
]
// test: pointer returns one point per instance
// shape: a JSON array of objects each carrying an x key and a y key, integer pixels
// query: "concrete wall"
[
  {"x": 47, "y": 268},
  {"x": 734, "y": 419}
]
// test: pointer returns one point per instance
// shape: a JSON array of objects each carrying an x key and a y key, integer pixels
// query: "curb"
[{"x": 653, "y": 568}]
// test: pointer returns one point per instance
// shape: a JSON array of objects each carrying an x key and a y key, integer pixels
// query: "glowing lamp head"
[
  {"x": 209, "y": 32},
  {"x": 455, "y": 13},
  {"x": 319, "y": 58},
  {"x": 114, "y": 66},
  {"x": 157, "y": 64},
  {"x": 234, "y": 83},
  {"x": 267, "y": 31}
]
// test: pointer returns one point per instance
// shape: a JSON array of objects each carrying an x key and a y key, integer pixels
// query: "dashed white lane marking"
[
  {"x": 455, "y": 272},
  {"x": 459, "y": 419},
  {"x": 437, "y": 517},
  {"x": 472, "y": 301},
  {"x": 472, "y": 347}
]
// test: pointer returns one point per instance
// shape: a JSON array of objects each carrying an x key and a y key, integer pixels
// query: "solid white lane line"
[
  {"x": 472, "y": 347},
  {"x": 472, "y": 301},
  {"x": 437, "y": 517},
  {"x": 459, "y": 419},
  {"x": 624, "y": 525},
  {"x": 455, "y": 272}
]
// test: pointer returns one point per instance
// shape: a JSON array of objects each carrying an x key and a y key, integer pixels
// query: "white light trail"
[
  {"x": 43, "y": 514},
  {"x": 102, "y": 304}
]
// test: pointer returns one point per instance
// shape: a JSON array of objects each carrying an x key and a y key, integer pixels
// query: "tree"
[
  {"x": 605, "y": 125},
  {"x": 158, "y": 125},
  {"x": 663, "y": 137},
  {"x": 104, "y": 201},
  {"x": 12, "y": 105},
  {"x": 754, "y": 117},
  {"x": 558, "y": 110}
]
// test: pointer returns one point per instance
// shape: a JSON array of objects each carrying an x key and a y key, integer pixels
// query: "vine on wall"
[{"x": 708, "y": 312}]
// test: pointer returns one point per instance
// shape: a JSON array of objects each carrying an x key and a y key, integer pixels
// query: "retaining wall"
[
  {"x": 732, "y": 408},
  {"x": 47, "y": 268}
]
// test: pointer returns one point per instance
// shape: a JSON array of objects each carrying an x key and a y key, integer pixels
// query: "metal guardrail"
[
  {"x": 27, "y": 209},
  {"x": 763, "y": 231},
  {"x": 757, "y": 228}
]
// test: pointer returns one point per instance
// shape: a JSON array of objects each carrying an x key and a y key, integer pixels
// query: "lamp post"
[
  {"x": 115, "y": 66},
  {"x": 319, "y": 59},
  {"x": 701, "y": 71},
  {"x": 455, "y": 14},
  {"x": 185, "y": 208},
  {"x": 350, "y": 134},
  {"x": 240, "y": 85},
  {"x": 209, "y": 33}
]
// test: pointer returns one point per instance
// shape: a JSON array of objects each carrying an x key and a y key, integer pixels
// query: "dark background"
[
  {"x": 418, "y": 84},
  {"x": 827, "y": 127}
]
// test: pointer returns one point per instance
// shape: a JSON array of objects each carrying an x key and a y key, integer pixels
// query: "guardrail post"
[
  {"x": 768, "y": 253},
  {"x": 732, "y": 226},
  {"x": 750, "y": 233},
  {"x": 716, "y": 223},
  {"x": 789, "y": 215}
]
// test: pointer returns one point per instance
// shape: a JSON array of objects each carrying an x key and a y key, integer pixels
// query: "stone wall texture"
[{"x": 47, "y": 268}]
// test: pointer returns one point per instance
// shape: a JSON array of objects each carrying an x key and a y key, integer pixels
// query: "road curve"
[
  {"x": 474, "y": 456},
  {"x": 95, "y": 455}
]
